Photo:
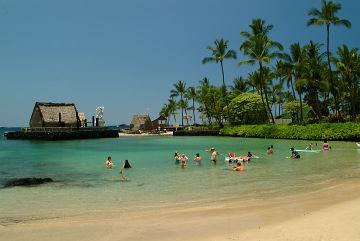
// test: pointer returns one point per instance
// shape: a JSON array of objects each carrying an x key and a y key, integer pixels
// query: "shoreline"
[
  {"x": 318, "y": 215},
  {"x": 122, "y": 134}
]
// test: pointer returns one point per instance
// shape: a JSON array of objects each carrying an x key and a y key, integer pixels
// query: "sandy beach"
[
  {"x": 328, "y": 214},
  {"x": 168, "y": 133}
]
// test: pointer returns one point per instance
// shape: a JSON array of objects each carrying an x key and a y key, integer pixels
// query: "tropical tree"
[
  {"x": 247, "y": 109},
  {"x": 184, "y": 105},
  {"x": 219, "y": 53},
  {"x": 179, "y": 90},
  {"x": 327, "y": 16},
  {"x": 348, "y": 66},
  {"x": 300, "y": 85},
  {"x": 169, "y": 108},
  {"x": 291, "y": 68},
  {"x": 192, "y": 95},
  {"x": 259, "y": 48},
  {"x": 317, "y": 78}
]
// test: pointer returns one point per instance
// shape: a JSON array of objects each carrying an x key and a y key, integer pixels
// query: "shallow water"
[{"x": 83, "y": 185}]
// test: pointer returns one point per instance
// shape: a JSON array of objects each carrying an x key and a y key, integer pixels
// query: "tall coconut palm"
[
  {"x": 172, "y": 108},
  {"x": 184, "y": 105},
  {"x": 327, "y": 16},
  {"x": 300, "y": 88},
  {"x": 192, "y": 95},
  {"x": 262, "y": 50},
  {"x": 291, "y": 67},
  {"x": 219, "y": 53},
  {"x": 165, "y": 111},
  {"x": 348, "y": 65},
  {"x": 179, "y": 90},
  {"x": 257, "y": 26},
  {"x": 241, "y": 85}
]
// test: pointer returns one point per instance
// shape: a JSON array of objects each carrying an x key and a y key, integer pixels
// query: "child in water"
[{"x": 109, "y": 163}]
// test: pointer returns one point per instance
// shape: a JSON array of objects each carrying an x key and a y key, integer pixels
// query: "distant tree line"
[{"x": 304, "y": 83}]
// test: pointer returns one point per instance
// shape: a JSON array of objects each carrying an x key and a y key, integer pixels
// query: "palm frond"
[
  {"x": 231, "y": 54},
  {"x": 315, "y": 21},
  {"x": 208, "y": 60},
  {"x": 248, "y": 61},
  {"x": 343, "y": 22},
  {"x": 314, "y": 12}
]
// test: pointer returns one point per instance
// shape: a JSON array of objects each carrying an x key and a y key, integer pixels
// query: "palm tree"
[
  {"x": 261, "y": 49},
  {"x": 179, "y": 90},
  {"x": 165, "y": 111},
  {"x": 241, "y": 85},
  {"x": 348, "y": 65},
  {"x": 327, "y": 16},
  {"x": 184, "y": 105},
  {"x": 218, "y": 54},
  {"x": 192, "y": 95},
  {"x": 300, "y": 88},
  {"x": 257, "y": 26},
  {"x": 291, "y": 68},
  {"x": 172, "y": 106}
]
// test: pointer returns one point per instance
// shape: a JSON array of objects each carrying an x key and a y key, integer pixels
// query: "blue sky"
[{"x": 126, "y": 55}]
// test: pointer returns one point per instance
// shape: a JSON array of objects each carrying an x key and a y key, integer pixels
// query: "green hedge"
[{"x": 330, "y": 131}]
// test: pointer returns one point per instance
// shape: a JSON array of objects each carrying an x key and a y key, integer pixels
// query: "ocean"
[{"x": 82, "y": 184}]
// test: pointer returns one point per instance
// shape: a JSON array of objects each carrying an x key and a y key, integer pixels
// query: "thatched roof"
[
  {"x": 141, "y": 122},
  {"x": 47, "y": 114}
]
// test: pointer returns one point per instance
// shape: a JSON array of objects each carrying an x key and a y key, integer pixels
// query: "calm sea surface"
[{"x": 83, "y": 185}]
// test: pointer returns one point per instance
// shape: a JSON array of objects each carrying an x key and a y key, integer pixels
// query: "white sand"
[{"x": 325, "y": 215}]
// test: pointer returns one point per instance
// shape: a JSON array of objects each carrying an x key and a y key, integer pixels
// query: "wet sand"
[{"x": 332, "y": 213}]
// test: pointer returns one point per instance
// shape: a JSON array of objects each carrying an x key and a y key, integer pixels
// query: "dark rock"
[{"x": 29, "y": 181}]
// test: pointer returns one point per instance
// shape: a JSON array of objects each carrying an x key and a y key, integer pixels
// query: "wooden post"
[
  {"x": 93, "y": 121},
  {"x": 97, "y": 122},
  {"x": 85, "y": 122},
  {"x": 59, "y": 119}
]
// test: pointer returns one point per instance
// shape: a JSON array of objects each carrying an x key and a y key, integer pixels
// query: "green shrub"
[{"x": 330, "y": 131}]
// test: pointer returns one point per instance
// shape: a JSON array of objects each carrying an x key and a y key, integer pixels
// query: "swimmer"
[
  {"x": 269, "y": 151},
  {"x": 239, "y": 167},
  {"x": 197, "y": 159},
  {"x": 326, "y": 146},
  {"x": 177, "y": 158},
  {"x": 126, "y": 164},
  {"x": 183, "y": 160},
  {"x": 213, "y": 154},
  {"x": 294, "y": 154},
  {"x": 109, "y": 163}
]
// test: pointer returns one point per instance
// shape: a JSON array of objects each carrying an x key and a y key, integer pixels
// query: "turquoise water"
[{"x": 83, "y": 185}]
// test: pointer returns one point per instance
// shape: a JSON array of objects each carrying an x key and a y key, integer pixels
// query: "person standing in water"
[
  {"x": 239, "y": 167},
  {"x": 213, "y": 154},
  {"x": 326, "y": 146},
  {"x": 109, "y": 163},
  {"x": 126, "y": 164},
  {"x": 183, "y": 160},
  {"x": 197, "y": 159}
]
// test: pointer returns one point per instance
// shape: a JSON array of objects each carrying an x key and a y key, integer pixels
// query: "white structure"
[{"x": 100, "y": 115}]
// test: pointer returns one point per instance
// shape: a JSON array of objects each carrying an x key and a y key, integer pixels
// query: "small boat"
[{"x": 358, "y": 145}]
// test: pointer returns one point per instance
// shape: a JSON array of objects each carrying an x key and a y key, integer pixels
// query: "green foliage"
[
  {"x": 247, "y": 108},
  {"x": 331, "y": 131}
]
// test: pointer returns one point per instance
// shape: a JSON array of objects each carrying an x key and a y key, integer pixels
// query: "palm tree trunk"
[
  {"x": 223, "y": 80},
  {"x": 301, "y": 108},
  {"x": 187, "y": 120},
  {"x": 182, "y": 112},
  {"x": 292, "y": 88},
  {"x": 330, "y": 72},
  {"x": 265, "y": 92},
  {"x": 193, "y": 106}
]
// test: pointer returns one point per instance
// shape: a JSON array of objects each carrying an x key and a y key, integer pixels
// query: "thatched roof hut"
[
  {"x": 141, "y": 122},
  {"x": 161, "y": 122},
  {"x": 47, "y": 114}
]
